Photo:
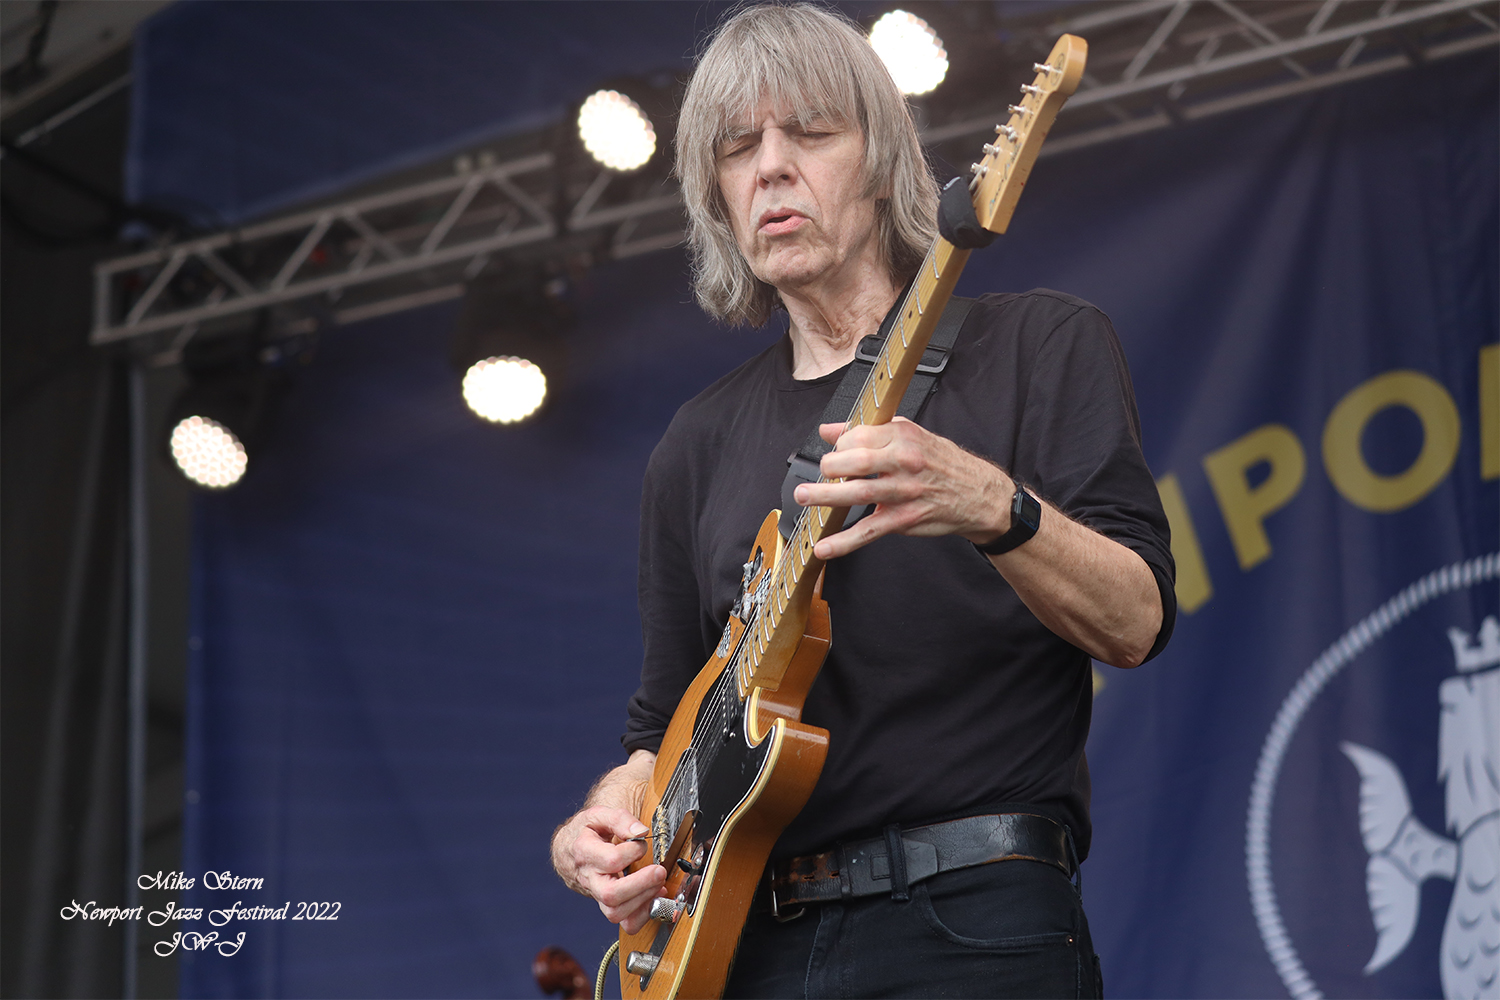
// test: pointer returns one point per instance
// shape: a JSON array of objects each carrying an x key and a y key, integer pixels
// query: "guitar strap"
[{"x": 803, "y": 463}]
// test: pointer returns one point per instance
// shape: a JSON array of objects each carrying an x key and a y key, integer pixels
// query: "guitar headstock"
[{"x": 1001, "y": 174}]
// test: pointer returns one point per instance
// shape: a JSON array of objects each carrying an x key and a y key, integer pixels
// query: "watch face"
[{"x": 1027, "y": 509}]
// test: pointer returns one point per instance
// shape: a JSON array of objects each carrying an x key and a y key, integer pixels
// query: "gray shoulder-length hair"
[{"x": 817, "y": 63}]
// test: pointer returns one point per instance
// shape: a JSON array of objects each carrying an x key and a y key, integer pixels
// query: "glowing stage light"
[
  {"x": 911, "y": 51},
  {"x": 504, "y": 390},
  {"x": 208, "y": 453},
  {"x": 615, "y": 130}
]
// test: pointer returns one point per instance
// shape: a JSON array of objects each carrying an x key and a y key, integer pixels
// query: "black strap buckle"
[
  {"x": 804, "y": 470},
  {"x": 934, "y": 359}
]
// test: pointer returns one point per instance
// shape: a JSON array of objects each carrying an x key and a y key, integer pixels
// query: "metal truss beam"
[
  {"x": 1153, "y": 64},
  {"x": 1212, "y": 56},
  {"x": 444, "y": 230}
]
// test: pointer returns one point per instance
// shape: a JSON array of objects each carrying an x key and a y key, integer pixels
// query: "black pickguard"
[{"x": 728, "y": 767}]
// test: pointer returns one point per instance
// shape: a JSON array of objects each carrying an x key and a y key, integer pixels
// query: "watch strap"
[{"x": 1025, "y": 518}]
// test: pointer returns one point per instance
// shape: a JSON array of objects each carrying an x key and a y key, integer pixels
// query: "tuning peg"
[
  {"x": 1030, "y": 89},
  {"x": 978, "y": 169},
  {"x": 1018, "y": 109},
  {"x": 991, "y": 150},
  {"x": 1045, "y": 68},
  {"x": 1006, "y": 131}
]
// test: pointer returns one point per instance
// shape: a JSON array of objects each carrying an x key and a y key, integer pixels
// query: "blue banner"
[{"x": 414, "y": 634}]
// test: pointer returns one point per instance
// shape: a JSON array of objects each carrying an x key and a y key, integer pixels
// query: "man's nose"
[{"x": 777, "y": 162}]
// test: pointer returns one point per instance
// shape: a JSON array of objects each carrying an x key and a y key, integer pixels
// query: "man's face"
[{"x": 796, "y": 199}]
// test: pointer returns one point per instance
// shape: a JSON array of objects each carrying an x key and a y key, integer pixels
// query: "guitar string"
[
  {"x": 705, "y": 750},
  {"x": 802, "y": 530}
]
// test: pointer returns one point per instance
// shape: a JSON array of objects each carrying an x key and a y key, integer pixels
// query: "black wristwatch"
[{"x": 1025, "y": 518}]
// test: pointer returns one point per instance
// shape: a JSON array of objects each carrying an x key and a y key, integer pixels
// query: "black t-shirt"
[{"x": 942, "y": 694}]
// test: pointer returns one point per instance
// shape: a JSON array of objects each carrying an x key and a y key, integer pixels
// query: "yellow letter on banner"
[
  {"x": 1245, "y": 508},
  {"x": 1193, "y": 586},
  {"x": 1352, "y": 475},
  {"x": 1489, "y": 412}
]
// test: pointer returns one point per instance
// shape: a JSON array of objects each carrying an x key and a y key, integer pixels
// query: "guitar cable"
[{"x": 609, "y": 956}]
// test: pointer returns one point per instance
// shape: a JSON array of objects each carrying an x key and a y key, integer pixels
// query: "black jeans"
[{"x": 1007, "y": 929}]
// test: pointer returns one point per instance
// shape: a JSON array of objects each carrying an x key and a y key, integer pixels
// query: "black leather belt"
[{"x": 863, "y": 868}]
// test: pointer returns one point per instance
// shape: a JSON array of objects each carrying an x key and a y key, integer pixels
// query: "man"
[{"x": 958, "y": 690}]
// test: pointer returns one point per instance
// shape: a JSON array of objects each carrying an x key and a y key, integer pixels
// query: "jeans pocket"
[
  {"x": 1007, "y": 905},
  {"x": 1012, "y": 933}
]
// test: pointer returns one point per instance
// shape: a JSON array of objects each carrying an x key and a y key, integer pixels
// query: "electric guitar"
[{"x": 737, "y": 763}]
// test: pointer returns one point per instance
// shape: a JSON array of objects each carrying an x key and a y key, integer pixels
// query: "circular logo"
[{"x": 1273, "y": 931}]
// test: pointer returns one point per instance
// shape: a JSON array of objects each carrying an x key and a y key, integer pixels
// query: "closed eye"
[{"x": 733, "y": 149}]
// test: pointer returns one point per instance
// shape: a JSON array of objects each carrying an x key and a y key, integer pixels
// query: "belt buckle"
[{"x": 776, "y": 914}]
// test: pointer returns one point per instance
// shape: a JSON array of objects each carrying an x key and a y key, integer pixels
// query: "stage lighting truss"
[
  {"x": 1158, "y": 63},
  {"x": 365, "y": 257},
  {"x": 1152, "y": 64}
]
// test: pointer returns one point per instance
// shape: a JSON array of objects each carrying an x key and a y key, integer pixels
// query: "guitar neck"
[{"x": 797, "y": 568}]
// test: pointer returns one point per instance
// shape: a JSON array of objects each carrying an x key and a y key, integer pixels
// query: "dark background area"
[{"x": 64, "y": 557}]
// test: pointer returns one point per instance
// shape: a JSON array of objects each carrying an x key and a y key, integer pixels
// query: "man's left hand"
[{"x": 924, "y": 485}]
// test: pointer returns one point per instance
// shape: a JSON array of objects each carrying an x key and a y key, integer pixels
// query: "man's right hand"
[{"x": 592, "y": 849}]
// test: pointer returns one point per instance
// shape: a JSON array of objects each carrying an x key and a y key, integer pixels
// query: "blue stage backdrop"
[
  {"x": 415, "y": 633},
  {"x": 250, "y": 106}
]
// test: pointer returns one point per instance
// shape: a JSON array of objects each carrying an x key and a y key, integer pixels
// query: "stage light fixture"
[
  {"x": 509, "y": 345},
  {"x": 211, "y": 426},
  {"x": 911, "y": 51},
  {"x": 207, "y": 452},
  {"x": 504, "y": 390},
  {"x": 234, "y": 378},
  {"x": 615, "y": 130}
]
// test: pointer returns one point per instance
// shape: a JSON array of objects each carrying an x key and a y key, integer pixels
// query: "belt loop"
[
  {"x": 897, "y": 856},
  {"x": 846, "y": 883},
  {"x": 1077, "y": 878}
]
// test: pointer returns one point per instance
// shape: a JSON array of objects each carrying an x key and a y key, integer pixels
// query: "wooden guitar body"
[{"x": 729, "y": 776}]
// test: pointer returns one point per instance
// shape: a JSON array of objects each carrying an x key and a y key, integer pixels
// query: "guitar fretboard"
[{"x": 879, "y": 398}]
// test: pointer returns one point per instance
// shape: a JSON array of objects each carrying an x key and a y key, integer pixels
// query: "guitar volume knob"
[
  {"x": 640, "y": 963},
  {"x": 665, "y": 908}
]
